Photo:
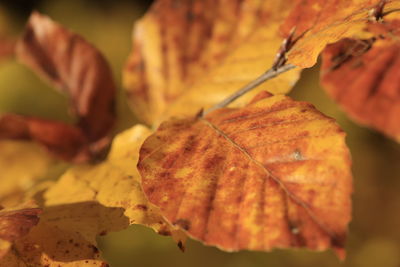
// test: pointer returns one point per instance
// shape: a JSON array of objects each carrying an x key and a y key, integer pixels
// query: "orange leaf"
[
  {"x": 75, "y": 67},
  {"x": 275, "y": 173},
  {"x": 320, "y": 22},
  {"x": 65, "y": 141},
  {"x": 363, "y": 77},
  {"x": 185, "y": 50}
]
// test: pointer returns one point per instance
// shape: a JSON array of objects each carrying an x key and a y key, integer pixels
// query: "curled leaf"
[
  {"x": 77, "y": 69},
  {"x": 185, "y": 50},
  {"x": 362, "y": 75},
  {"x": 321, "y": 22},
  {"x": 73, "y": 66},
  {"x": 275, "y": 173},
  {"x": 66, "y": 141}
]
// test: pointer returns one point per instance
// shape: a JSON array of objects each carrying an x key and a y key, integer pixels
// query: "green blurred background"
[{"x": 374, "y": 232}]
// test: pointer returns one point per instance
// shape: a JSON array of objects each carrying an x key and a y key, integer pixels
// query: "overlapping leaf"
[
  {"x": 319, "y": 22},
  {"x": 363, "y": 76},
  {"x": 87, "y": 201},
  {"x": 275, "y": 173},
  {"x": 189, "y": 55},
  {"x": 77, "y": 69},
  {"x": 14, "y": 224},
  {"x": 113, "y": 183},
  {"x": 58, "y": 239}
]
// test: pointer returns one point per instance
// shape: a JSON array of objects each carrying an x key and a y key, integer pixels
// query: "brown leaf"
[
  {"x": 275, "y": 173},
  {"x": 185, "y": 50},
  {"x": 17, "y": 223},
  {"x": 6, "y": 47},
  {"x": 320, "y": 22},
  {"x": 14, "y": 224},
  {"x": 65, "y": 141},
  {"x": 363, "y": 76},
  {"x": 77, "y": 69},
  {"x": 73, "y": 66},
  {"x": 64, "y": 237}
]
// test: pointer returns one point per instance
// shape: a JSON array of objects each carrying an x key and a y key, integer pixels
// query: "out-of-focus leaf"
[
  {"x": 363, "y": 76},
  {"x": 189, "y": 55},
  {"x": 7, "y": 42},
  {"x": 275, "y": 173},
  {"x": 113, "y": 183},
  {"x": 77, "y": 69},
  {"x": 14, "y": 224},
  {"x": 66, "y": 141},
  {"x": 17, "y": 223},
  {"x": 64, "y": 237},
  {"x": 320, "y": 22},
  {"x": 23, "y": 165},
  {"x": 6, "y": 47},
  {"x": 73, "y": 66}
]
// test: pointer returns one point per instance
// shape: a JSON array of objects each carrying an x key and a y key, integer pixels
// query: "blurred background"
[{"x": 374, "y": 238}]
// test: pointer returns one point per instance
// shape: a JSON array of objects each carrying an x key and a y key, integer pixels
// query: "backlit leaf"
[
  {"x": 363, "y": 76},
  {"x": 189, "y": 55},
  {"x": 275, "y": 173}
]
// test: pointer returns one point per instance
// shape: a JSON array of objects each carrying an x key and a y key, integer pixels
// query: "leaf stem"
[{"x": 271, "y": 73}]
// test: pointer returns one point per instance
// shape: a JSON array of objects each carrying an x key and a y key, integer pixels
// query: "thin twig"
[{"x": 271, "y": 73}]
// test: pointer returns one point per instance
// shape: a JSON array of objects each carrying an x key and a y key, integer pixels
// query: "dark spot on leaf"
[
  {"x": 141, "y": 207},
  {"x": 181, "y": 246},
  {"x": 183, "y": 223},
  {"x": 103, "y": 233}
]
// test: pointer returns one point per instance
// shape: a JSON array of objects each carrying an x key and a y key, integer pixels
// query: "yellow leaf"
[
  {"x": 189, "y": 55},
  {"x": 113, "y": 183},
  {"x": 275, "y": 173},
  {"x": 16, "y": 157}
]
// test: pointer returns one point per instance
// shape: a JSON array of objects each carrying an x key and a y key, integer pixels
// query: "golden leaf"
[
  {"x": 321, "y": 22},
  {"x": 16, "y": 157},
  {"x": 189, "y": 55},
  {"x": 275, "y": 173},
  {"x": 113, "y": 183}
]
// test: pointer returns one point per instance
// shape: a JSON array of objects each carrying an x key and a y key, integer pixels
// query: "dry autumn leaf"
[
  {"x": 113, "y": 183},
  {"x": 77, "y": 69},
  {"x": 14, "y": 224},
  {"x": 87, "y": 201},
  {"x": 189, "y": 55},
  {"x": 275, "y": 173},
  {"x": 319, "y": 22},
  {"x": 64, "y": 237},
  {"x": 15, "y": 180},
  {"x": 363, "y": 77}
]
